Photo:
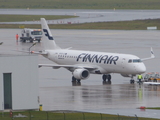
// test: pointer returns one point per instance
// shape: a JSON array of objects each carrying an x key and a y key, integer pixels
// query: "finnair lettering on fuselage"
[{"x": 106, "y": 59}]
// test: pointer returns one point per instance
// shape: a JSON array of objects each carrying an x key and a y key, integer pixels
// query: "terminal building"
[{"x": 19, "y": 82}]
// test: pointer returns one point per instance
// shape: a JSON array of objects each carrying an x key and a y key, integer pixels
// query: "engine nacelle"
[{"x": 81, "y": 73}]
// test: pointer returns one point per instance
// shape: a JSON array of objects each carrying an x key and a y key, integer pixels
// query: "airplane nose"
[{"x": 141, "y": 68}]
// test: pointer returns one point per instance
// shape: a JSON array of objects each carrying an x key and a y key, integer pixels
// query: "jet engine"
[{"x": 81, "y": 73}]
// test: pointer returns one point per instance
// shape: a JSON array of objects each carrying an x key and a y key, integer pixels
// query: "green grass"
[
  {"x": 122, "y": 25},
  {"x": 155, "y": 108},
  {"x": 17, "y": 18},
  {"x": 42, "y": 115},
  {"x": 81, "y": 4}
]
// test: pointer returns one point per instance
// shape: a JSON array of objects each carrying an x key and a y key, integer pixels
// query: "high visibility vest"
[
  {"x": 140, "y": 77},
  {"x": 17, "y": 36}
]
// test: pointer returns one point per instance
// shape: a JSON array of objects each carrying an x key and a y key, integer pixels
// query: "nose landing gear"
[{"x": 132, "y": 80}]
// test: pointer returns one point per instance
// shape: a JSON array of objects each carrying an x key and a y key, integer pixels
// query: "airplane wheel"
[
  {"x": 132, "y": 81},
  {"x": 73, "y": 79},
  {"x": 78, "y": 80},
  {"x": 104, "y": 77},
  {"x": 109, "y": 78}
]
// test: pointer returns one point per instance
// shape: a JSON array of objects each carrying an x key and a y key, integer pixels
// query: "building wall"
[{"x": 24, "y": 71}]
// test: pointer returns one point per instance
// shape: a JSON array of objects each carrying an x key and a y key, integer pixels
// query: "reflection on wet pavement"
[
  {"x": 99, "y": 96},
  {"x": 123, "y": 99}
]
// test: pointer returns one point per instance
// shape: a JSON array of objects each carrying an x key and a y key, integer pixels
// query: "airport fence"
[{"x": 43, "y": 115}]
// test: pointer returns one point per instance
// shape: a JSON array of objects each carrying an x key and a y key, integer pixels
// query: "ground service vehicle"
[
  {"x": 152, "y": 77},
  {"x": 31, "y": 35}
]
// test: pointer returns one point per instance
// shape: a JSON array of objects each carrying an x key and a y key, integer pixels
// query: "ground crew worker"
[
  {"x": 17, "y": 36},
  {"x": 140, "y": 77}
]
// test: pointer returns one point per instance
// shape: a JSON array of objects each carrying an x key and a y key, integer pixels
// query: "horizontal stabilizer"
[{"x": 34, "y": 52}]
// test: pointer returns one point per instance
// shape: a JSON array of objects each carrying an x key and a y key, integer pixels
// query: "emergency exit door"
[{"x": 7, "y": 85}]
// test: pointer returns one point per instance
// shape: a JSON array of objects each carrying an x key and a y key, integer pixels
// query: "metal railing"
[{"x": 49, "y": 115}]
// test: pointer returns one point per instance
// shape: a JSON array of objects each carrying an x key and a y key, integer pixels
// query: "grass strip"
[
  {"x": 44, "y": 115},
  {"x": 154, "y": 108},
  {"x": 120, "y": 25},
  {"x": 81, "y": 4}
]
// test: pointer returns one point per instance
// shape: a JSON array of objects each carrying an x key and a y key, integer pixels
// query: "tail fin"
[{"x": 47, "y": 39}]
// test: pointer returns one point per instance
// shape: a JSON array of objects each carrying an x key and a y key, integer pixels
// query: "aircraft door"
[
  {"x": 55, "y": 56},
  {"x": 122, "y": 63}
]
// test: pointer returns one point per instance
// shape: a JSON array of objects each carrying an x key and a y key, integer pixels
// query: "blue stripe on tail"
[{"x": 47, "y": 34}]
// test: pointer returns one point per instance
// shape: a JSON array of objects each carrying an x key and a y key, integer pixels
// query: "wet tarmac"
[
  {"x": 58, "y": 93},
  {"x": 85, "y": 15},
  {"x": 123, "y": 99}
]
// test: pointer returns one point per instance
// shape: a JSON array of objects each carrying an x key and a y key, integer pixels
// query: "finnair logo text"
[
  {"x": 106, "y": 59},
  {"x": 47, "y": 34}
]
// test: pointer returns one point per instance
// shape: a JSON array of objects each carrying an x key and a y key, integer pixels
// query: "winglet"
[{"x": 152, "y": 56}]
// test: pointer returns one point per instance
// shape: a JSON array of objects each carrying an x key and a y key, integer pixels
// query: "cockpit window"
[
  {"x": 137, "y": 60},
  {"x": 130, "y": 61},
  {"x": 134, "y": 61}
]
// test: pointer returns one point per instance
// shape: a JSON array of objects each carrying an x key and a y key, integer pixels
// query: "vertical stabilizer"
[{"x": 47, "y": 39}]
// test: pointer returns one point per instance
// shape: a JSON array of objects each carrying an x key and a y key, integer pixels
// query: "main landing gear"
[
  {"x": 106, "y": 80},
  {"x": 75, "y": 81},
  {"x": 106, "y": 77},
  {"x": 132, "y": 80}
]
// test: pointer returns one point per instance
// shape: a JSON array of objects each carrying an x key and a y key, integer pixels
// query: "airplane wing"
[
  {"x": 152, "y": 56},
  {"x": 68, "y": 66}
]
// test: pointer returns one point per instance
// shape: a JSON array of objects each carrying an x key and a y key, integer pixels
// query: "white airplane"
[{"x": 84, "y": 63}]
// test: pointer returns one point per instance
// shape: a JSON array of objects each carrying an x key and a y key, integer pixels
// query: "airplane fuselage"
[{"x": 104, "y": 62}]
